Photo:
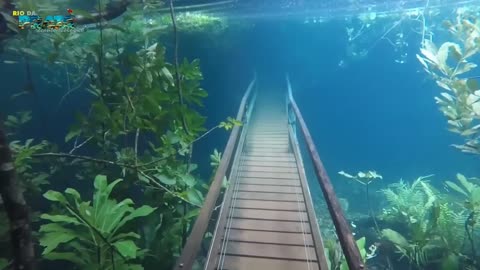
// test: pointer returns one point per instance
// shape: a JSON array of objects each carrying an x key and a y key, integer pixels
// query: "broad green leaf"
[
  {"x": 74, "y": 193},
  {"x": 51, "y": 240},
  {"x": 166, "y": 73},
  {"x": 165, "y": 179},
  {"x": 361, "y": 243},
  {"x": 395, "y": 238},
  {"x": 121, "y": 236},
  {"x": 194, "y": 196},
  {"x": 55, "y": 196},
  {"x": 188, "y": 180},
  {"x": 61, "y": 218},
  {"x": 65, "y": 256},
  {"x": 100, "y": 182},
  {"x": 142, "y": 211},
  {"x": 127, "y": 248}
]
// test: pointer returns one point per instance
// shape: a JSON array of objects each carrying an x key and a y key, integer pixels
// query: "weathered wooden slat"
[
  {"x": 277, "y": 158},
  {"x": 271, "y": 237},
  {"x": 267, "y": 225},
  {"x": 269, "y": 205},
  {"x": 262, "y": 196},
  {"x": 264, "y": 188},
  {"x": 270, "y": 214},
  {"x": 273, "y": 164},
  {"x": 270, "y": 151},
  {"x": 275, "y": 175},
  {"x": 271, "y": 251},
  {"x": 271, "y": 156},
  {"x": 266, "y": 181},
  {"x": 255, "y": 168},
  {"x": 250, "y": 263}
]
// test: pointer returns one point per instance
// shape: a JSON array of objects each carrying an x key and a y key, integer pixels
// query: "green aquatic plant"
[
  {"x": 336, "y": 260},
  {"x": 3, "y": 264},
  {"x": 471, "y": 192},
  {"x": 433, "y": 227},
  {"x": 365, "y": 178},
  {"x": 407, "y": 203},
  {"x": 448, "y": 66},
  {"x": 93, "y": 235}
]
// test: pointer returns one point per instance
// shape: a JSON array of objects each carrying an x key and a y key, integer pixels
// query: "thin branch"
[
  {"x": 75, "y": 146},
  {"x": 103, "y": 161},
  {"x": 136, "y": 147},
  {"x": 162, "y": 187},
  {"x": 183, "y": 149},
  {"x": 110, "y": 162},
  {"x": 71, "y": 90},
  {"x": 177, "y": 74}
]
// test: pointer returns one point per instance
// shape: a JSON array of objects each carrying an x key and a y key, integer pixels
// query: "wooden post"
[
  {"x": 16, "y": 208},
  {"x": 347, "y": 242}
]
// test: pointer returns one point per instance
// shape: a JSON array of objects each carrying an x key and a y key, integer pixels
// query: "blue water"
[{"x": 369, "y": 114}]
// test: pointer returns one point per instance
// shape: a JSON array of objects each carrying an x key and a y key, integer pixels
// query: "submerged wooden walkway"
[{"x": 267, "y": 220}]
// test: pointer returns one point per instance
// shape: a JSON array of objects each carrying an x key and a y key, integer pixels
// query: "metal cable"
[{"x": 234, "y": 202}]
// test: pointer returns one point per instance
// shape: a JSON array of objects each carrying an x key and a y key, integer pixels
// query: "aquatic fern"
[{"x": 407, "y": 202}]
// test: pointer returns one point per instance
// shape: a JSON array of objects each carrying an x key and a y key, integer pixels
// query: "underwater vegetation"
[
  {"x": 141, "y": 126},
  {"x": 139, "y": 132},
  {"x": 423, "y": 224}
]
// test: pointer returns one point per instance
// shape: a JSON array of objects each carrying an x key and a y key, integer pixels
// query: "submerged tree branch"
[
  {"x": 16, "y": 208},
  {"x": 177, "y": 74}
]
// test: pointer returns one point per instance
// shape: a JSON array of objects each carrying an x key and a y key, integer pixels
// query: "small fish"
[{"x": 10, "y": 62}]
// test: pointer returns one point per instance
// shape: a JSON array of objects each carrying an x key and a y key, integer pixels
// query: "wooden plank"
[
  {"x": 275, "y": 175},
  {"x": 264, "y": 157},
  {"x": 269, "y": 163},
  {"x": 250, "y": 263},
  {"x": 262, "y": 141},
  {"x": 265, "y": 188},
  {"x": 267, "y": 225},
  {"x": 270, "y": 214},
  {"x": 255, "y": 168},
  {"x": 266, "y": 147},
  {"x": 269, "y": 150},
  {"x": 262, "y": 196},
  {"x": 270, "y": 237},
  {"x": 271, "y": 251},
  {"x": 266, "y": 181},
  {"x": 269, "y": 205},
  {"x": 278, "y": 157}
]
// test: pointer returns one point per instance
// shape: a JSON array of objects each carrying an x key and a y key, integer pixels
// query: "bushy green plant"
[
  {"x": 435, "y": 231},
  {"x": 3, "y": 264},
  {"x": 447, "y": 64},
  {"x": 335, "y": 258},
  {"x": 93, "y": 235}
]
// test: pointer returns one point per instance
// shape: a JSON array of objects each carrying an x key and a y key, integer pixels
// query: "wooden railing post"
[
  {"x": 347, "y": 242},
  {"x": 193, "y": 244}
]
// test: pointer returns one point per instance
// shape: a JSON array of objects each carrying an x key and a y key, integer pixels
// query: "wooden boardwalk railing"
[{"x": 267, "y": 219}]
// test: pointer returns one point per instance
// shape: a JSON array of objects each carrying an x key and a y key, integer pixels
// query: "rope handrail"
[
  {"x": 193, "y": 244},
  {"x": 347, "y": 242}
]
